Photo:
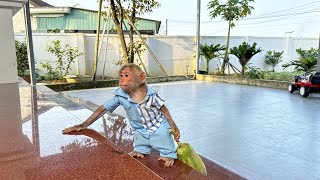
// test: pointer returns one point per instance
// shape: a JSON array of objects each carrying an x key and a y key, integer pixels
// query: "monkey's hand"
[
  {"x": 78, "y": 127},
  {"x": 175, "y": 132}
]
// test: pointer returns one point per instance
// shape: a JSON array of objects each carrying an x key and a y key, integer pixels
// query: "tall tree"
[
  {"x": 132, "y": 8},
  {"x": 230, "y": 11}
]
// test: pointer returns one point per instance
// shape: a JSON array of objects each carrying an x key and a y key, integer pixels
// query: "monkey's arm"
[
  {"x": 173, "y": 125},
  {"x": 96, "y": 115}
]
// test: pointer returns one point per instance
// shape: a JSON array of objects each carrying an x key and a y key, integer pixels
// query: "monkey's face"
[{"x": 127, "y": 81}]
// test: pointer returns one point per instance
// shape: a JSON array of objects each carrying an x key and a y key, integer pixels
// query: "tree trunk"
[
  {"x": 97, "y": 43},
  {"x": 120, "y": 32},
  {"x": 133, "y": 16},
  {"x": 242, "y": 70},
  {"x": 227, "y": 49},
  {"x": 208, "y": 66}
]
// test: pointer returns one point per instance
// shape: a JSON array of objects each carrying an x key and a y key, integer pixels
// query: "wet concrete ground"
[{"x": 259, "y": 133}]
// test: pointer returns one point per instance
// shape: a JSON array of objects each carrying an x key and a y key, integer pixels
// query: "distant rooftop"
[{"x": 39, "y": 3}]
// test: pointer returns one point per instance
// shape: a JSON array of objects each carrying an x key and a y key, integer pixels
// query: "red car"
[{"x": 306, "y": 84}]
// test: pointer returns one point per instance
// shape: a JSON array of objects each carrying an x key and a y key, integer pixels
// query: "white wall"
[
  {"x": 41, "y": 41},
  {"x": 175, "y": 53}
]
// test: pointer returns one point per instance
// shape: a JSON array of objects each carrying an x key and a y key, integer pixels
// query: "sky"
[{"x": 271, "y": 18}]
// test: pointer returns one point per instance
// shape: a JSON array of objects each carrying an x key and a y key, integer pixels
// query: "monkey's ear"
[{"x": 143, "y": 77}]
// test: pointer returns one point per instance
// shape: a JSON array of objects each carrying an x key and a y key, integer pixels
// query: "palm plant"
[
  {"x": 210, "y": 51},
  {"x": 244, "y": 52},
  {"x": 307, "y": 60},
  {"x": 273, "y": 58}
]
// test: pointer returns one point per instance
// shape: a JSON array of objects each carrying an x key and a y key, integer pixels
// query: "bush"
[
  {"x": 307, "y": 61},
  {"x": 22, "y": 58},
  {"x": 282, "y": 76},
  {"x": 255, "y": 73},
  {"x": 273, "y": 58},
  {"x": 64, "y": 58}
]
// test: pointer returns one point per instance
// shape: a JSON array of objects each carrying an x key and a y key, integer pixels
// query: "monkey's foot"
[
  {"x": 167, "y": 161},
  {"x": 136, "y": 154}
]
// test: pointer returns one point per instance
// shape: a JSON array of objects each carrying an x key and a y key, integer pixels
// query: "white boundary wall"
[{"x": 175, "y": 53}]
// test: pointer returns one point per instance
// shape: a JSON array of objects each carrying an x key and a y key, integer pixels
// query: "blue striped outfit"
[{"x": 149, "y": 124}]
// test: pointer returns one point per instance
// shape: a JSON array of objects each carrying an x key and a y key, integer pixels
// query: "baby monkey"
[{"x": 147, "y": 114}]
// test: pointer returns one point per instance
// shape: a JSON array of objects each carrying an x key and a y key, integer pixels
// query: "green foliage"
[
  {"x": 22, "y": 58},
  {"x": 64, "y": 58},
  {"x": 210, "y": 51},
  {"x": 282, "y": 76},
  {"x": 244, "y": 52},
  {"x": 137, "y": 49},
  {"x": 273, "y": 58},
  {"x": 52, "y": 74},
  {"x": 231, "y": 11},
  {"x": 144, "y": 6},
  {"x": 307, "y": 61},
  {"x": 121, "y": 8},
  {"x": 54, "y": 31},
  {"x": 287, "y": 76},
  {"x": 255, "y": 73}
]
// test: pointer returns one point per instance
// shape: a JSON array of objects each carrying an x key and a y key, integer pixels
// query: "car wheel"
[
  {"x": 291, "y": 88},
  {"x": 304, "y": 91}
]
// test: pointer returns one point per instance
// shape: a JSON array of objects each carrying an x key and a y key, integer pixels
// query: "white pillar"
[
  {"x": 11, "y": 136},
  {"x": 198, "y": 36},
  {"x": 81, "y": 60},
  {"x": 289, "y": 51},
  {"x": 8, "y": 62}
]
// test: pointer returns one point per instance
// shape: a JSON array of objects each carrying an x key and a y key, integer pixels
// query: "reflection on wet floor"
[{"x": 33, "y": 146}]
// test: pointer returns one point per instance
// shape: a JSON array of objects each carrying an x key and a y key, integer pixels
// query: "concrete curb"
[{"x": 244, "y": 81}]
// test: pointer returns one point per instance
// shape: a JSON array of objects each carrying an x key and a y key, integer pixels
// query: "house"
[
  {"x": 47, "y": 18},
  {"x": 18, "y": 18}
]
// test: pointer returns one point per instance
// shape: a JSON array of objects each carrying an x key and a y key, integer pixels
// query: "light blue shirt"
[{"x": 144, "y": 116}]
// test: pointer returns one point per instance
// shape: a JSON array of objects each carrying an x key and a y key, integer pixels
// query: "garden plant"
[
  {"x": 64, "y": 58},
  {"x": 210, "y": 52},
  {"x": 244, "y": 52},
  {"x": 273, "y": 58},
  {"x": 306, "y": 62}
]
